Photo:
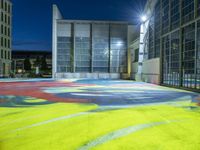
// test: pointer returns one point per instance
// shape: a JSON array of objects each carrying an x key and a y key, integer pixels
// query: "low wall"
[
  {"x": 151, "y": 71},
  {"x": 87, "y": 75},
  {"x": 151, "y": 78}
]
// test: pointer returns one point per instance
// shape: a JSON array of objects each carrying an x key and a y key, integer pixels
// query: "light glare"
[
  {"x": 119, "y": 43},
  {"x": 144, "y": 18}
]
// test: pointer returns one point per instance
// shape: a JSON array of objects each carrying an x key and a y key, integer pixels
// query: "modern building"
[
  {"x": 89, "y": 49},
  {"x": 169, "y": 46},
  {"x": 5, "y": 37},
  {"x": 19, "y": 56}
]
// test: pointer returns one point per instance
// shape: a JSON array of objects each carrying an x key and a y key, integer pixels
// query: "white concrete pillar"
[
  {"x": 143, "y": 34},
  {"x": 56, "y": 15}
]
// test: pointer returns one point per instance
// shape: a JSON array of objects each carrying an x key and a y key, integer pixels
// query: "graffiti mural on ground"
[
  {"x": 96, "y": 114},
  {"x": 100, "y": 92}
]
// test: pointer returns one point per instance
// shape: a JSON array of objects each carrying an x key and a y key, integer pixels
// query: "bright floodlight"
[
  {"x": 119, "y": 43},
  {"x": 144, "y": 18}
]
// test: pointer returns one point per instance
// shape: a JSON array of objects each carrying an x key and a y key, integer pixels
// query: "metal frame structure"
[{"x": 149, "y": 10}]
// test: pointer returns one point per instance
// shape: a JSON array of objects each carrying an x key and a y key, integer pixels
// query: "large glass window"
[
  {"x": 187, "y": 10},
  {"x": 198, "y": 7},
  {"x": 82, "y": 48},
  {"x": 171, "y": 51},
  {"x": 64, "y": 47},
  {"x": 166, "y": 60},
  {"x": 157, "y": 28},
  {"x": 118, "y": 52},
  {"x": 100, "y": 33},
  {"x": 151, "y": 38},
  {"x": 165, "y": 16},
  {"x": 175, "y": 14},
  {"x": 91, "y": 47},
  {"x": 189, "y": 56},
  {"x": 174, "y": 59},
  {"x": 136, "y": 55}
]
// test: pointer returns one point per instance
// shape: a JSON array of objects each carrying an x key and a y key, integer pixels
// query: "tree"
[
  {"x": 27, "y": 64},
  {"x": 44, "y": 63},
  {"x": 37, "y": 62}
]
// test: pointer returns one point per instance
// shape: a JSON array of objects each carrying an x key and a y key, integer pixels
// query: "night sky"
[{"x": 32, "y": 18}]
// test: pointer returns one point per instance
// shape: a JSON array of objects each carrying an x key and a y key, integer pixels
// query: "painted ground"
[{"x": 96, "y": 114}]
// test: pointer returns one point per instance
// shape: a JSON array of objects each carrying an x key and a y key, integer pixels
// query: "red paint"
[{"x": 34, "y": 89}]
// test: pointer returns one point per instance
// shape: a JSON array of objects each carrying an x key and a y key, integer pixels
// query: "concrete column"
[
  {"x": 56, "y": 15},
  {"x": 91, "y": 48},
  {"x": 180, "y": 47},
  {"x": 161, "y": 47},
  {"x": 143, "y": 33},
  {"x": 196, "y": 53},
  {"x": 109, "y": 48},
  {"x": 73, "y": 46}
]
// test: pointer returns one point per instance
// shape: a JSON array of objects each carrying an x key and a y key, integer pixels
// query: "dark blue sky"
[{"x": 32, "y": 18}]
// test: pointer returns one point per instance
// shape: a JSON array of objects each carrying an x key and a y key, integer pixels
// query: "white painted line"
[
  {"x": 52, "y": 120},
  {"x": 121, "y": 133}
]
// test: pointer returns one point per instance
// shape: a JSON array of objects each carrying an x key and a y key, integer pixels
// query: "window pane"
[
  {"x": 100, "y": 48},
  {"x": 64, "y": 44},
  {"x": 189, "y": 56},
  {"x": 82, "y": 48},
  {"x": 118, "y": 51}
]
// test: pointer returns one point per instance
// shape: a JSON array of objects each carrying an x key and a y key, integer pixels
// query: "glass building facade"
[
  {"x": 5, "y": 37},
  {"x": 174, "y": 37},
  {"x": 91, "y": 47}
]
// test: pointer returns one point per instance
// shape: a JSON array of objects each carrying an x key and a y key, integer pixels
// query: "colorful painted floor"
[{"x": 96, "y": 114}]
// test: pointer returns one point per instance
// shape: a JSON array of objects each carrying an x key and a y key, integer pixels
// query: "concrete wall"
[
  {"x": 134, "y": 70},
  {"x": 131, "y": 32},
  {"x": 133, "y": 65},
  {"x": 88, "y": 75},
  {"x": 151, "y": 71},
  {"x": 133, "y": 44}
]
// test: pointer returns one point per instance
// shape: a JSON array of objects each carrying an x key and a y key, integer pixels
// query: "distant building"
[
  {"x": 89, "y": 49},
  {"x": 169, "y": 44},
  {"x": 5, "y": 37},
  {"x": 19, "y": 56}
]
